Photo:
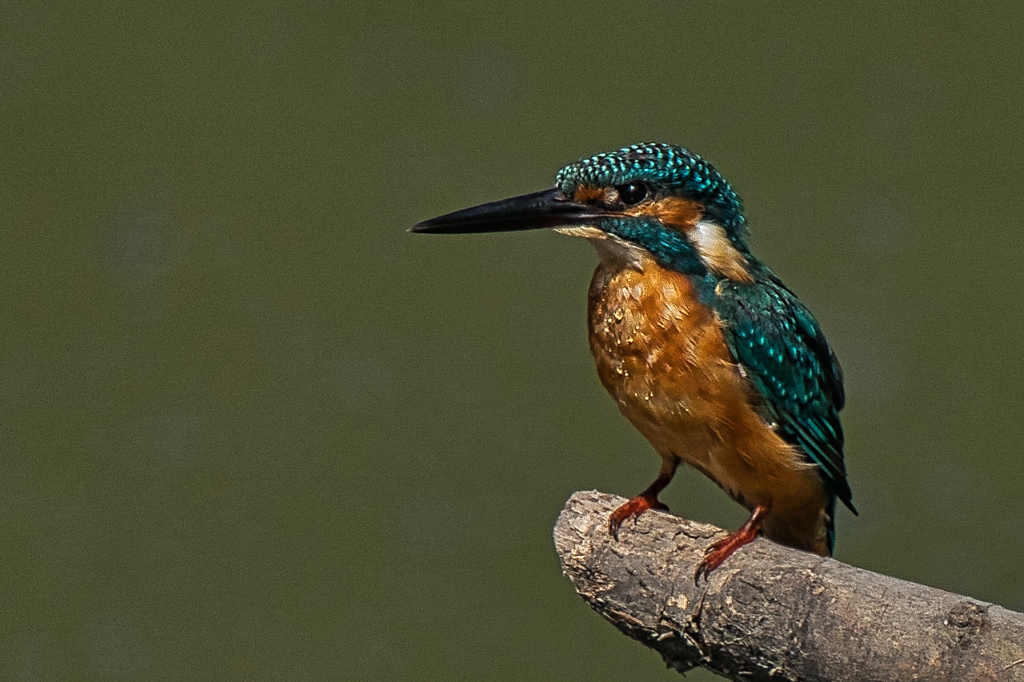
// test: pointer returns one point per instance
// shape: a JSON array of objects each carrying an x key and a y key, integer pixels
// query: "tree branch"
[{"x": 775, "y": 613}]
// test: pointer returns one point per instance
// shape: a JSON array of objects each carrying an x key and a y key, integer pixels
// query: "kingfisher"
[{"x": 704, "y": 349}]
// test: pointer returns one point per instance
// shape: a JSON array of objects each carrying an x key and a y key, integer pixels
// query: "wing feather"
[{"x": 777, "y": 341}]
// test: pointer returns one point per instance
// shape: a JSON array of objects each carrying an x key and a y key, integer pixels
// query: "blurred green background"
[{"x": 251, "y": 429}]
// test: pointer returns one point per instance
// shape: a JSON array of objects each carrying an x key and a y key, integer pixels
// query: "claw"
[
  {"x": 632, "y": 509},
  {"x": 648, "y": 499},
  {"x": 720, "y": 550}
]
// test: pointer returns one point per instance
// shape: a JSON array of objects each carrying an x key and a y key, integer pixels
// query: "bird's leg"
[
  {"x": 648, "y": 499},
  {"x": 718, "y": 552}
]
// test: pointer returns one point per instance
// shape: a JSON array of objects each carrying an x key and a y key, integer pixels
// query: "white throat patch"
[{"x": 610, "y": 248}]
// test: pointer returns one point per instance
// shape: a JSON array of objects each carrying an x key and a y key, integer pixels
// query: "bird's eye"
[{"x": 633, "y": 193}]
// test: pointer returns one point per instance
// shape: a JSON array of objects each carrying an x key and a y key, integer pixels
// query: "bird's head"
[{"x": 652, "y": 199}]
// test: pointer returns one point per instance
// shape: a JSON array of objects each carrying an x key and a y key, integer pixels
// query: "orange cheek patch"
[
  {"x": 710, "y": 239},
  {"x": 681, "y": 214},
  {"x": 584, "y": 194}
]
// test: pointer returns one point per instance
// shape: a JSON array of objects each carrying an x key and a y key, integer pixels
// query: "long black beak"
[{"x": 526, "y": 212}]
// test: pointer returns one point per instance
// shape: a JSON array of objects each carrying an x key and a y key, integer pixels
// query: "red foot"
[
  {"x": 648, "y": 499},
  {"x": 718, "y": 552},
  {"x": 632, "y": 509}
]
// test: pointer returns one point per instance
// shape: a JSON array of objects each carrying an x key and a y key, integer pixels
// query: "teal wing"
[{"x": 784, "y": 353}]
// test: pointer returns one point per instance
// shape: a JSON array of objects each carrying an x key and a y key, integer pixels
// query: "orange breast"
[{"x": 661, "y": 355}]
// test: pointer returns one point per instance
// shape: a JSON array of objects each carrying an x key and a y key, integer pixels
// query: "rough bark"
[{"x": 775, "y": 613}]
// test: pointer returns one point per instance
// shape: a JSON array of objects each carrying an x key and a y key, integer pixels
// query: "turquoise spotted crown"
[{"x": 664, "y": 167}]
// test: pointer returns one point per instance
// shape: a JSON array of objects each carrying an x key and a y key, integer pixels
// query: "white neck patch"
[{"x": 717, "y": 252}]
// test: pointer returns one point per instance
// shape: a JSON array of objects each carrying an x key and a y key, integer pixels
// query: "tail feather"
[{"x": 830, "y": 524}]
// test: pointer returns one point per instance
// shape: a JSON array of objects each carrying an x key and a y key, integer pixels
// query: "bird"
[{"x": 707, "y": 353}]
